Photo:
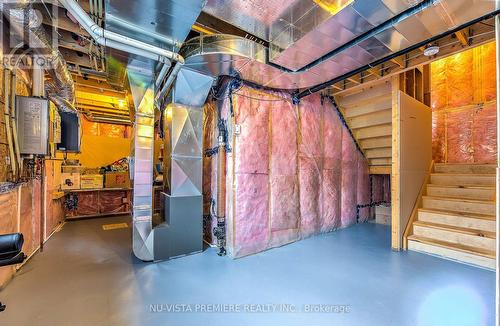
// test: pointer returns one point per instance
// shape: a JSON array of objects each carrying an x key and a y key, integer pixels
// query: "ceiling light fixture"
[{"x": 431, "y": 49}]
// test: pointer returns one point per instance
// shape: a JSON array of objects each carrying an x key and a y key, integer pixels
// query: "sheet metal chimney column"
[
  {"x": 181, "y": 233},
  {"x": 142, "y": 167}
]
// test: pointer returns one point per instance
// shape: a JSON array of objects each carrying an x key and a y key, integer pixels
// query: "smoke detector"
[{"x": 431, "y": 50}]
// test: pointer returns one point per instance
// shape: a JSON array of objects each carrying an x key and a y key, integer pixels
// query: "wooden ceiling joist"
[{"x": 476, "y": 35}]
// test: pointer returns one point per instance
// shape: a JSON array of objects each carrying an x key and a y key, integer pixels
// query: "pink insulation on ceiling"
[{"x": 293, "y": 171}]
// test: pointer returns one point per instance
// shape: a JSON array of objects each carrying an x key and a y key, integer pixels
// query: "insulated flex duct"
[{"x": 24, "y": 20}]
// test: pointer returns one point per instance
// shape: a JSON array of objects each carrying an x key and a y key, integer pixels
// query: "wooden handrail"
[{"x": 418, "y": 204}]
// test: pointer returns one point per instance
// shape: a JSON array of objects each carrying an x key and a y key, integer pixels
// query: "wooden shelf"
[
  {"x": 80, "y": 217},
  {"x": 96, "y": 189}
]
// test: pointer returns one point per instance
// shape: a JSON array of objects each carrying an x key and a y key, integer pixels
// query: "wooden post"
[
  {"x": 497, "y": 37},
  {"x": 395, "y": 171}
]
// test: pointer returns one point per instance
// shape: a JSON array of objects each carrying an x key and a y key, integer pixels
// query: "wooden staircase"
[
  {"x": 368, "y": 112},
  {"x": 455, "y": 216}
]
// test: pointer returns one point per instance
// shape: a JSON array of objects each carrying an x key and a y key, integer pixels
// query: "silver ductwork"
[
  {"x": 360, "y": 33},
  {"x": 180, "y": 232}
]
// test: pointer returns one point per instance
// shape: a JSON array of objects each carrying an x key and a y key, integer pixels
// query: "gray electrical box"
[{"x": 32, "y": 117}]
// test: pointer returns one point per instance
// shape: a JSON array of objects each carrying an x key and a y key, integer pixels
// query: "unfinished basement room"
[{"x": 249, "y": 162}]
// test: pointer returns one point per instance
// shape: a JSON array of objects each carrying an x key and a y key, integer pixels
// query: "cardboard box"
[
  {"x": 91, "y": 181},
  {"x": 72, "y": 168},
  {"x": 117, "y": 180},
  {"x": 70, "y": 181}
]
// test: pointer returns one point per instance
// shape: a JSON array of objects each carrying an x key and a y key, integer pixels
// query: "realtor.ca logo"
[{"x": 28, "y": 31}]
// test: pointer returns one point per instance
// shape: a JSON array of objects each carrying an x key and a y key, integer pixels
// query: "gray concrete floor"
[{"x": 87, "y": 276}]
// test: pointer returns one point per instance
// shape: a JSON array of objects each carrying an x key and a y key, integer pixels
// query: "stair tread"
[
  {"x": 486, "y": 187},
  {"x": 452, "y": 228},
  {"x": 460, "y": 214},
  {"x": 454, "y": 246},
  {"x": 473, "y": 201},
  {"x": 466, "y": 164},
  {"x": 464, "y": 174}
]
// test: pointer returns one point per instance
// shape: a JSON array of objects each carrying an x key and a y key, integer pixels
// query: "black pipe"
[{"x": 329, "y": 83}]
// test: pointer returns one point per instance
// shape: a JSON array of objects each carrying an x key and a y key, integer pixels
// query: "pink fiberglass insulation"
[
  {"x": 377, "y": 188},
  {"x": 332, "y": 166},
  {"x": 251, "y": 219},
  {"x": 459, "y": 136},
  {"x": 438, "y": 136},
  {"x": 387, "y": 188},
  {"x": 8, "y": 224},
  {"x": 349, "y": 180},
  {"x": 484, "y": 134},
  {"x": 113, "y": 202},
  {"x": 363, "y": 190},
  {"x": 252, "y": 150},
  {"x": 297, "y": 171},
  {"x": 310, "y": 165},
  {"x": 463, "y": 93},
  {"x": 283, "y": 178},
  {"x": 251, "y": 173}
]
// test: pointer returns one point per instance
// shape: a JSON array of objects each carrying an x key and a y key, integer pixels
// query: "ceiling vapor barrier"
[{"x": 313, "y": 44}]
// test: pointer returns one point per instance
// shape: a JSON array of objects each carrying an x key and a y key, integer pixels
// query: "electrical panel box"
[
  {"x": 70, "y": 132},
  {"x": 32, "y": 117}
]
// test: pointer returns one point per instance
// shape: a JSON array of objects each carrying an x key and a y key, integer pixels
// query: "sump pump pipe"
[{"x": 122, "y": 42}]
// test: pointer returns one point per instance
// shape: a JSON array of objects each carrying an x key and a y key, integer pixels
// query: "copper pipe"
[{"x": 220, "y": 230}]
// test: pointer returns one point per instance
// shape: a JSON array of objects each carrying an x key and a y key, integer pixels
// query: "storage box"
[
  {"x": 70, "y": 181},
  {"x": 117, "y": 180},
  {"x": 91, "y": 181},
  {"x": 72, "y": 168}
]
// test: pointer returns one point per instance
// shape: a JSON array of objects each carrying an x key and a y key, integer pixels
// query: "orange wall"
[{"x": 102, "y": 143}]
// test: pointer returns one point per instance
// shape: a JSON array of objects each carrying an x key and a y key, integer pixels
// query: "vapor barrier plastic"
[
  {"x": 381, "y": 188},
  {"x": 293, "y": 171},
  {"x": 104, "y": 129},
  {"x": 463, "y": 93}
]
